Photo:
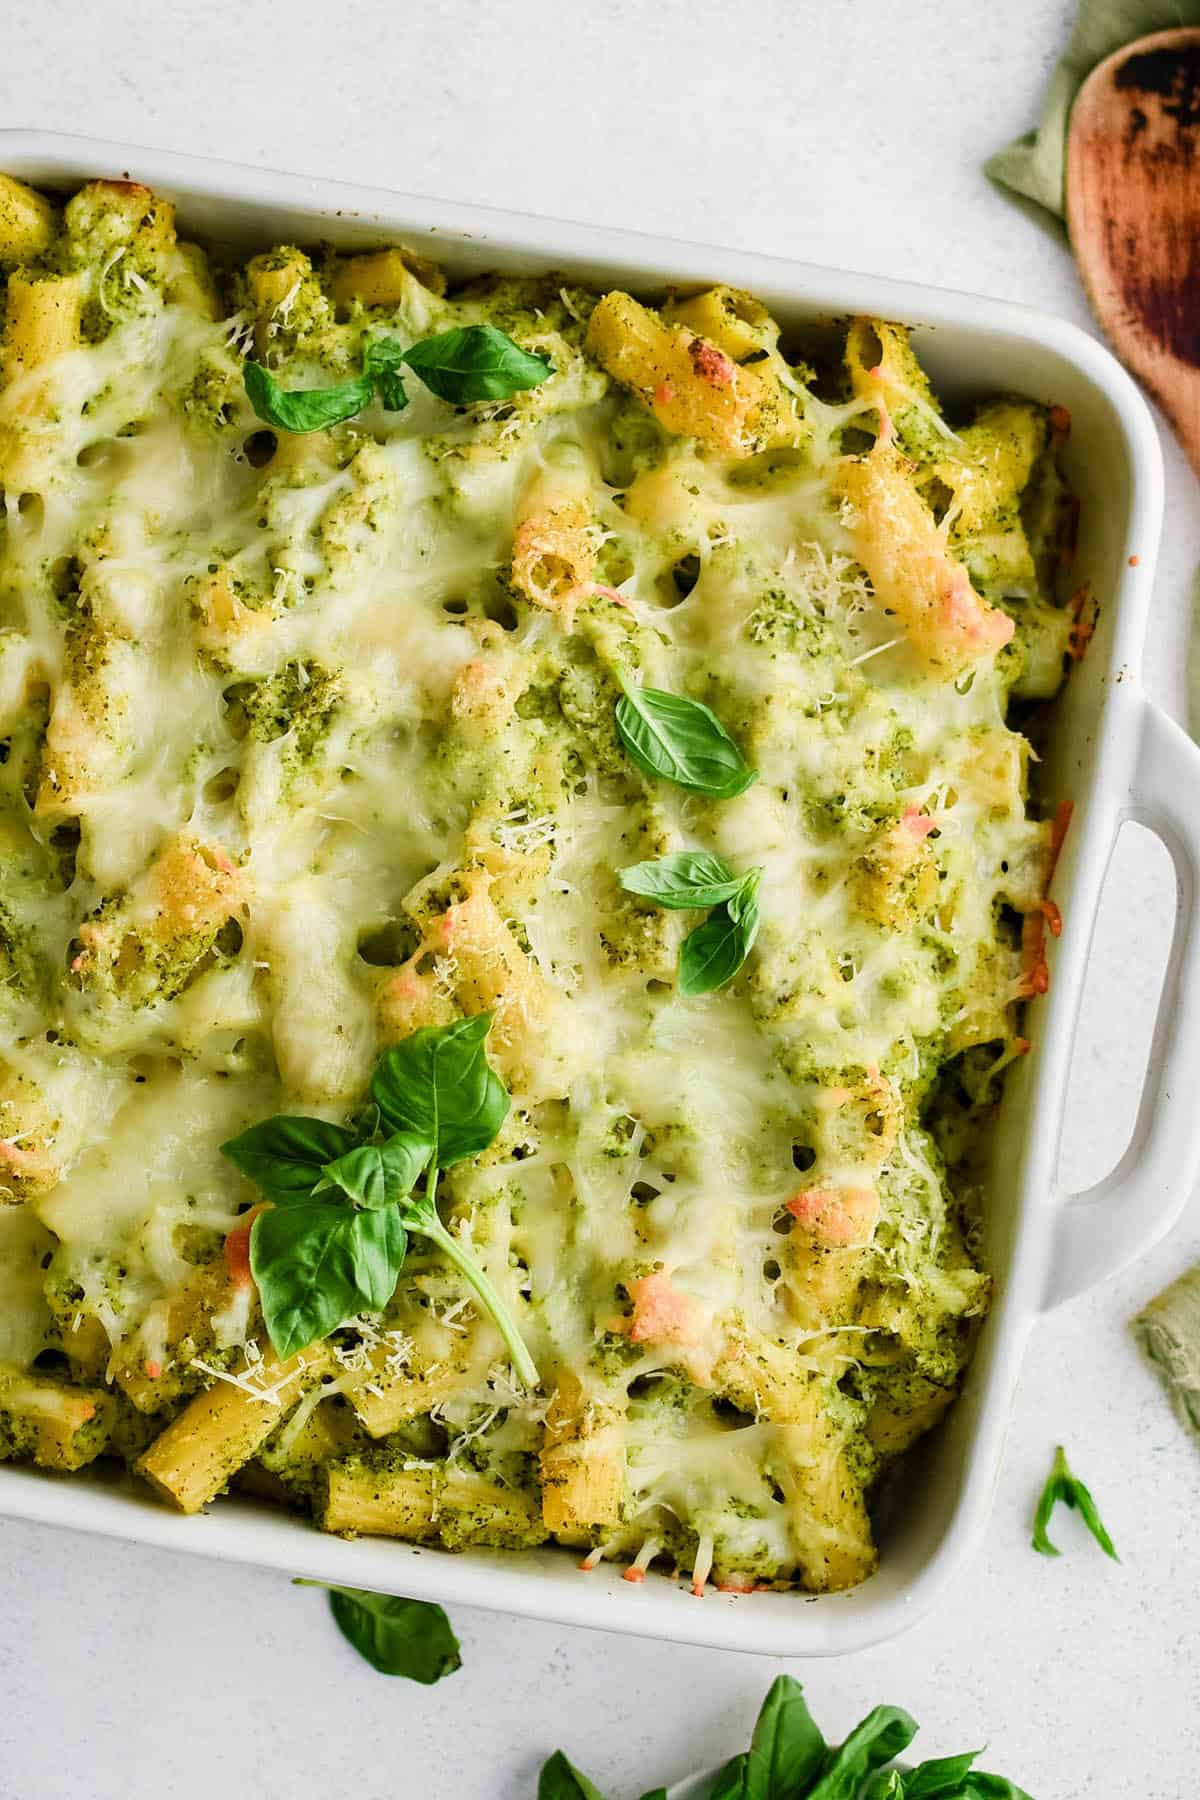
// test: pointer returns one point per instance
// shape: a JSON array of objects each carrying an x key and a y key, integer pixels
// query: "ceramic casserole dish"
[{"x": 1114, "y": 753}]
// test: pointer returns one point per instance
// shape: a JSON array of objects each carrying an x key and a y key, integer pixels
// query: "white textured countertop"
[{"x": 843, "y": 134}]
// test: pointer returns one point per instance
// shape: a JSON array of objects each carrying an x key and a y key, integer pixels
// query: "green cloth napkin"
[
  {"x": 1169, "y": 1332},
  {"x": 1034, "y": 166}
]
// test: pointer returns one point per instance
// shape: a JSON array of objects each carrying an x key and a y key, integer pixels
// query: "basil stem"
[{"x": 425, "y": 1220}]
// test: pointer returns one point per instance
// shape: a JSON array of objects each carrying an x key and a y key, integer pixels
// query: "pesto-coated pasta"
[{"x": 309, "y": 741}]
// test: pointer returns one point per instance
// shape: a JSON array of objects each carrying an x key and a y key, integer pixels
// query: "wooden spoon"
[{"x": 1133, "y": 212}]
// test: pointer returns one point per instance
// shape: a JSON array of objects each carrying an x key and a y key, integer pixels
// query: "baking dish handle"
[{"x": 1101, "y": 1229}]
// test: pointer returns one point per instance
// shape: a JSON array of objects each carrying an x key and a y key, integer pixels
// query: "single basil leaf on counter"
[
  {"x": 1062, "y": 1485},
  {"x": 318, "y": 1262},
  {"x": 437, "y": 1084},
  {"x": 382, "y": 362},
  {"x": 375, "y": 1175},
  {"x": 475, "y": 362},
  {"x": 286, "y": 1155},
  {"x": 304, "y": 409},
  {"x": 684, "y": 881},
  {"x": 683, "y": 741},
  {"x": 412, "y": 1638},
  {"x": 713, "y": 953},
  {"x": 874, "y": 1743},
  {"x": 560, "y": 1780}
]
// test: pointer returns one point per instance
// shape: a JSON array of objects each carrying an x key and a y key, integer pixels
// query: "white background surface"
[{"x": 850, "y": 134}]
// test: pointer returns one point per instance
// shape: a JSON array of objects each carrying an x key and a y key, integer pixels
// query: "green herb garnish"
[
  {"x": 412, "y": 1638},
  {"x": 318, "y": 1262},
  {"x": 713, "y": 953},
  {"x": 1062, "y": 1485},
  {"x": 788, "y": 1759},
  {"x": 683, "y": 741},
  {"x": 287, "y": 1155},
  {"x": 474, "y": 362},
  {"x": 334, "y": 1240},
  {"x": 438, "y": 1084},
  {"x": 685, "y": 881}
]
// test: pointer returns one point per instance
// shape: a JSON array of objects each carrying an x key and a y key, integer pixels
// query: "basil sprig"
[
  {"x": 412, "y": 1638},
  {"x": 1062, "y": 1485},
  {"x": 683, "y": 741},
  {"x": 788, "y": 1759},
  {"x": 713, "y": 953},
  {"x": 334, "y": 1240},
  {"x": 472, "y": 362}
]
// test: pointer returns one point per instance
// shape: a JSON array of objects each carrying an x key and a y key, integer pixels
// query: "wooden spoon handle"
[{"x": 1133, "y": 212}]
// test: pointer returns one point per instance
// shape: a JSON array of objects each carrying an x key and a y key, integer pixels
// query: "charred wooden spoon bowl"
[{"x": 1133, "y": 212}]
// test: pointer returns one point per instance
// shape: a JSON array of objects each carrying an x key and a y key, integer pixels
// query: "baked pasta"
[{"x": 312, "y": 748}]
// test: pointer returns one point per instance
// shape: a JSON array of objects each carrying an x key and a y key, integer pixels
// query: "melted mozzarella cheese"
[{"x": 318, "y": 672}]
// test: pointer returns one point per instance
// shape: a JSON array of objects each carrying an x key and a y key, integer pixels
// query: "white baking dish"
[{"x": 1116, "y": 755}]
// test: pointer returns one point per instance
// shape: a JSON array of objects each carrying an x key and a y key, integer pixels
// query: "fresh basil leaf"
[
  {"x": 364, "y": 1122},
  {"x": 475, "y": 362},
  {"x": 713, "y": 953},
  {"x": 304, "y": 409},
  {"x": 941, "y": 1779},
  {"x": 684, "y": 881},
  {"x": 787, "y": 1751},
  {"x": 437, "y": 1085},
  {"x": 378, "y": 1244},
  {"x": 1062, "y": 1485},
  {"x": 683, "y": 741},
  {"x": 731, "y": 1781},
  {"x": 382, "y": 362},
  {"x": 888, "y": 1786},
  {"x": 286, "y": 1155},
  {"x": 874, "y": 1743},
  {"x": 945, "y": 1778},
  {"x": 561, "y": 1780},
  {"x": 318, "y": 1262},
  {"x": 412, "y": 1638},
  {"x": 659, "y": 1793},
  {"x": 786, "y": 1754},
  {"x": 981, "y": 1786},
  {"x": 375, "y": 1175}
]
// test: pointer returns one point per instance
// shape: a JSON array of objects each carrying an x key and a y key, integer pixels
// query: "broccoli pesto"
[{"x": 520, "y": 889}]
